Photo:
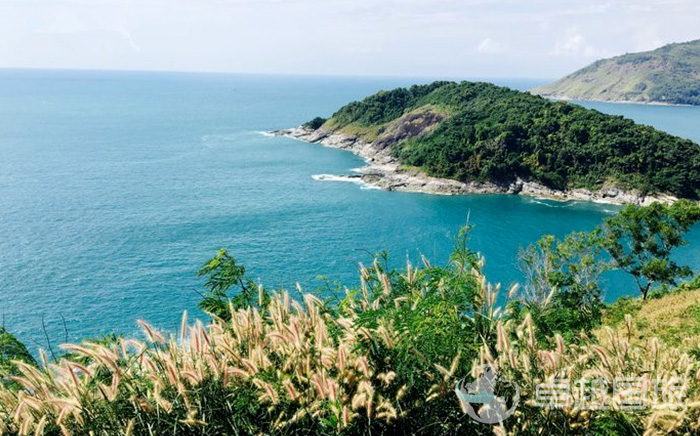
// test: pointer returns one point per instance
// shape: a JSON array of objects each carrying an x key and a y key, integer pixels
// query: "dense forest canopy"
[{"x": 492, "y": 133}]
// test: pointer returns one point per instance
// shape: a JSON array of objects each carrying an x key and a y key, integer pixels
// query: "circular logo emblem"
[{"x": 489, "y": 399}]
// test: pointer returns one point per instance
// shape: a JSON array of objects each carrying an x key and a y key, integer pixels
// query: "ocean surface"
[{"x": 116, "y": 187}]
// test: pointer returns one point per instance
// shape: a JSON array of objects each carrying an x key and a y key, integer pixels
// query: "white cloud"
[
  {"x": 575, "y": 44},
  {"x": 537, "y": 38},
  {"x": 488, "y": 45}
]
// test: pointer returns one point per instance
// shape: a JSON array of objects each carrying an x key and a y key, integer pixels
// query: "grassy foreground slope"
[
  {"x": 670, "y": 74},
  {"x": 382, "y": 361},
  {"x": 481, "y": 132},
  {"x": 673, "y": 318}
]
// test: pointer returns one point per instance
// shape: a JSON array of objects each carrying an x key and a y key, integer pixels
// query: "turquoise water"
[{"x": 116, "y": 187}]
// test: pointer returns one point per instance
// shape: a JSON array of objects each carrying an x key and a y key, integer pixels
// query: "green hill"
[
  {"x": 670, "y": 74},
  {"x": 479, "y": 132},
  {"x": 673, "y": 318}
]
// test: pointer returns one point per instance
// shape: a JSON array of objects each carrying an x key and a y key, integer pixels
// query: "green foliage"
[
  {"x": 315, "y": 123},
  {"x": 615, "y": 423},
  {"x": 228, "y": 288},
  {"x": 692, "y": 284},
  {"x": 677, "y": 81},
  {"x": 562, "y": 291},
  {"x": 383, "y": 106},
  {"x": 496, "y": 134},
  {"x": 444, "y": 314},
  {"x": 11, "y": 349},
  {"x": 614, "y": 313},
  {"x": 641, "y": 239}
]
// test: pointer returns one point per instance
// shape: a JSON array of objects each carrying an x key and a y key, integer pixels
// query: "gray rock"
[{"x": 385, "y": 172}]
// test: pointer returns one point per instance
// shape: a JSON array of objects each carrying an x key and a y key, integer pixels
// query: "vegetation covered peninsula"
[
  {"x": 670, "y": 74},
  {"x": 467, "y": 137}
]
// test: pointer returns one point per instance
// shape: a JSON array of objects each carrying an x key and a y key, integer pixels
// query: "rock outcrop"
[{"x": 385, "y": 172}]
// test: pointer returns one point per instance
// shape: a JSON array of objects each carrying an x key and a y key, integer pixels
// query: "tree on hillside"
[
  {"x": 562, "y": 290},
  {"x": 640, "y": 241},
  {"x": 228, "y": 287}
]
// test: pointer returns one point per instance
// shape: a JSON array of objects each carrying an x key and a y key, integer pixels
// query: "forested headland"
[{"x": 485, "y": 133}]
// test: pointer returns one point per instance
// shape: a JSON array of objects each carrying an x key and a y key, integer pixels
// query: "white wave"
[
  {"x": 334, "y": 178},
  {"x": 550, "y": 202},
  {"x": 347, "y": 179}
]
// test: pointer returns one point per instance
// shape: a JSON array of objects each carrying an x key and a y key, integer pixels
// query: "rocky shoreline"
[{"x": 385, "y": 172}]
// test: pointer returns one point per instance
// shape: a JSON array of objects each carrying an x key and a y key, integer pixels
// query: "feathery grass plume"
[
  {"x": 384, "y": 359},
  {"x": 612, "y": 360},
  {"x": 280, "y": 365}
]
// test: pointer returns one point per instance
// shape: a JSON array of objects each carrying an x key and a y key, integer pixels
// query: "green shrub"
[
  {"x": 11, "y": 350},
  {"x": 315, "y": 123}
]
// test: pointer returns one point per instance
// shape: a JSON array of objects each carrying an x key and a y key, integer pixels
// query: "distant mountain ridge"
[{"x": 670, "y": 75}]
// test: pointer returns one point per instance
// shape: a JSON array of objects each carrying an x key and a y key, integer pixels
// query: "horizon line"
[{"x": 281, "y": 74}]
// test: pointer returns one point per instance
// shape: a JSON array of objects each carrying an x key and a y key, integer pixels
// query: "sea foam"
[{"x": 348, "y": 179}]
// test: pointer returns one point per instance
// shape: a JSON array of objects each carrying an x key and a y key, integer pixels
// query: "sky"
[{"x": 416, "y": 38}]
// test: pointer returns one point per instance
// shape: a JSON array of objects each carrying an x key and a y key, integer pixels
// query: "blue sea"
[{"x": 116, "y": 187}]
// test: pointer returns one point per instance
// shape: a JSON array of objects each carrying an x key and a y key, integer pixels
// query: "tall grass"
[
  {"x": 383, "y": 359},
  {"x": 669, "y": 374}
]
